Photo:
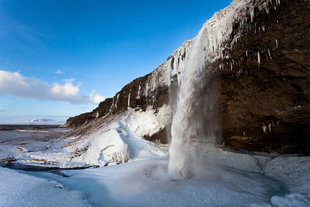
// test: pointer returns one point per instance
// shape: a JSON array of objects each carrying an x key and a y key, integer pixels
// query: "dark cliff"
[{"x": 264, "y": 83}]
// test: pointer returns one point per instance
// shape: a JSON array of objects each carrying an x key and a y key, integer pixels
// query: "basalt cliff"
[{"x": 261, "y": 69}]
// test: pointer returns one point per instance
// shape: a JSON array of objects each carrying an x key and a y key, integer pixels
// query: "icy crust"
[{"x": 18, "y": 189}]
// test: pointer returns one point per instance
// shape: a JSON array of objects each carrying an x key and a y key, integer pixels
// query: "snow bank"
[
  {"x": 122, "y": 140},
  {"x": 106, "y": 147},
  {"x": 294, "y": 171},
  {"x": 17, "y": 189}
]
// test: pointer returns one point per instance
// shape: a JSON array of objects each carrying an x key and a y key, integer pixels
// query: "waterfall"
[{"x": 195, "y": 120}]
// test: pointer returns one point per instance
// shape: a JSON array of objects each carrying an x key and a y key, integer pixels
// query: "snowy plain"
[{"x": 127, "y": 170}]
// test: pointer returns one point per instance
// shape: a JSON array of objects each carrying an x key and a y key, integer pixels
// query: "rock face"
[
  {"x": 266, "y": 93},
  {"x": 263, "y": 74}
]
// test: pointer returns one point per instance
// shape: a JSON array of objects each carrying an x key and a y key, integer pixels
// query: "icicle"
[
  {"x": 264, "y": 128},
  {"x": 111, "y": 106},
  {"x": 277, "y": 43},
  {"x": 252, "y": 15},
  {"x": 116, "y": 100},
  {"x": 129, "y": 99},
  {"x": 221, "y": 66},
  {"x": 258, "y": 58},
  {"x": 146, "y": 92},
  {"x": 138, "y": 95},
  {"x": 269, "y": 54},
  {"x": 269, "y": 127}
]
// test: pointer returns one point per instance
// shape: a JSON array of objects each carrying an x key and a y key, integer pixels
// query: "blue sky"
[{"x": 83, "y": 50}]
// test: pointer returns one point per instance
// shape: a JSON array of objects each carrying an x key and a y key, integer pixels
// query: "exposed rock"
[
  {"x": 264, "y": 82},
  {"x": 266, "y": 102}
]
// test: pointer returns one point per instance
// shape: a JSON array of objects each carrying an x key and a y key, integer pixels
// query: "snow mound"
[
  {"x": 122, "y": 140},
  {"x": 107, "y": 147}
]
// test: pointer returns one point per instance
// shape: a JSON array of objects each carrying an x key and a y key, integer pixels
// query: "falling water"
[{"x": 195, "y": 120}]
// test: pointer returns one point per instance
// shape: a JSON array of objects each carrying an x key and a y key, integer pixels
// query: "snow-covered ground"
[
  {"x": 18, "y": 189},
  {"x": 119, "y": 141},
  {"x": 225, "y": 179},
  {"x": 148, "y": 183}
]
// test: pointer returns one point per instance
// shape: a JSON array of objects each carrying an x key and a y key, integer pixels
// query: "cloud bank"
[{"x": 18, "y": 85}]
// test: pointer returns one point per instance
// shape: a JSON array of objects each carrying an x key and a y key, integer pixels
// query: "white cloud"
[
  {"x": 95, "y": 98},
  {"x": 18, "y": 85},
  {"x": 59, "y": 72},
  {"x": 66, "y": 90}
]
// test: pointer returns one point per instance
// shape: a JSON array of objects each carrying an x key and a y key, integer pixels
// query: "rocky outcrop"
[
  {"x": 266, "y": 82},
  {"x": 264, "y": 73}
]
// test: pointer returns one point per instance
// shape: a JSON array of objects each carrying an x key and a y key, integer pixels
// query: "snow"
[
  {"x": 37, "y": 121},
  {"x": 290, "y": 200},
  {"x": 149, "y": 122},
  {"x": 18, "y": 189},
  {"x": 147, "y": 183},
  {"x": 116, "y": 142},
  {"x": 122, "y": 140},
  {"x": 104, "y": 148},
  {"x": 229, "y": 179},
  {"x": 294, "y": 171}
]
